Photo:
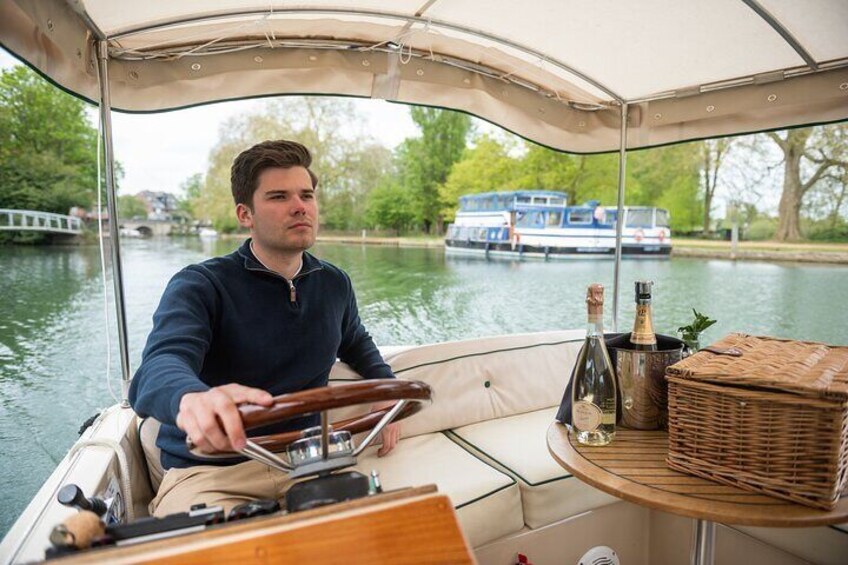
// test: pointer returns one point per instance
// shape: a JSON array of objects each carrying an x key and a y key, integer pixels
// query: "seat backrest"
[
  {"x": 472, "y": 381},
  {"x": 481, "y": 379}
]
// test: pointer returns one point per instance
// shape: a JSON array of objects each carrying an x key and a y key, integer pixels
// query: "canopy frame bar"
[
  {"x": 619, "y": 218},
  {"x": 373, "y": 14},
  {"x": 783, "y": 32},
  {"x": 112, "y": 207},
  {"x": 79, "y": 10}
]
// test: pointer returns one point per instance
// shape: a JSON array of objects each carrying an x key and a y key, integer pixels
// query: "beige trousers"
[{"x": 226, "y": 486}]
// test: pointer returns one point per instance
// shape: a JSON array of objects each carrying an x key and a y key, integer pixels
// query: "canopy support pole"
[
  {"x": 112, "y": 208},
  {"x": 619, "y": 218}
]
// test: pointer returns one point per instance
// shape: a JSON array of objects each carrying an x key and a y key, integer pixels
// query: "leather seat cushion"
[
  {"x": 517, "y": 446},
  {"x": 487, "y": 501}
]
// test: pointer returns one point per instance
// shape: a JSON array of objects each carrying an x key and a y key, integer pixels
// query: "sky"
[{"x": 160, "y": 151}]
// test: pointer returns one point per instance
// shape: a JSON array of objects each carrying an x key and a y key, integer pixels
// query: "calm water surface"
[{"x": 53, "y": 345}]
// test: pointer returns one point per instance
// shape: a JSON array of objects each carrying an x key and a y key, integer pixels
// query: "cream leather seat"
[
  {"x": 487, "y": 501},
  {"x": 516, "y": 446}
]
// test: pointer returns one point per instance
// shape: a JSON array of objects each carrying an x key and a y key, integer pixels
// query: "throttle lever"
[{"x": 72, "y": 496}]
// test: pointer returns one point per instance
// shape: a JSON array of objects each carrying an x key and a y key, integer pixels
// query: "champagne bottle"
[
  {"x": 643, "y": 337},
  {"x": 594, "y": 390}
]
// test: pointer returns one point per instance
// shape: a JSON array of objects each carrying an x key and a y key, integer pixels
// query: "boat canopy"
[
  {"x": 511, "y": 200},
  {"x": 554, "y": 71}
]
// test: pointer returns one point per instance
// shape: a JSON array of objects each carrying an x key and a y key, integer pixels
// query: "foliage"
[
  {"x": 191, "y": 190},
  {"x": 390, "y": 206},
  {"x": 713, "y": 153},
  {"x": 544, "y": 169},
  {"x": 810, "y": 157},
  {"x": 826, "y": 229},
  {"x": 131, "y": 206},
  {"x": 348, "y": 164},
  {"x": 48, "y": 147},
  {"x": 666, "y": 177},
  {"x": 699, "y": 324},
  {"x": 761, "y": 228},
  {"x": 424, "y": 162},
  {"x": 485, "y": 167}
]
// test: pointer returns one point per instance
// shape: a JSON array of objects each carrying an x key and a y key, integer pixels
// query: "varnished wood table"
[{"x": 633, "y": 468}]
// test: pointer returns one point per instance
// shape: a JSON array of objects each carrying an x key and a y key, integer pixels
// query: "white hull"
[{"x": 550, "y": 256}]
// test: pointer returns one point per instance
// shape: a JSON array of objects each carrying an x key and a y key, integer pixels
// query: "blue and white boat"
[{"x": 541, "y": 224}]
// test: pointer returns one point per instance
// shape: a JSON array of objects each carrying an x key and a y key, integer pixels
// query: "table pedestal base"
[{"x": 702, "y": 548}]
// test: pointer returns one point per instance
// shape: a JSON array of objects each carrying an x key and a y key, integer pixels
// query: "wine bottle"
[
  {"x": 594, "y": 390},
  {"x": 643, "y": 338}
]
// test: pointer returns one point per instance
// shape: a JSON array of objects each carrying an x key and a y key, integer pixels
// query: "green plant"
[{"x": 699, "y": 324}]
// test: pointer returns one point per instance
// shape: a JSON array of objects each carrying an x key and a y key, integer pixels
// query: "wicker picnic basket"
[{"x": 773, "y": 420}]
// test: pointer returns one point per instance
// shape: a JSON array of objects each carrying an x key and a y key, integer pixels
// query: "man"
[{"x": 265, "y": 320}]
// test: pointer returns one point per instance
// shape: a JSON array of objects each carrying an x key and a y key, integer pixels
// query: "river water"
[{"x": 53, "y": 343}]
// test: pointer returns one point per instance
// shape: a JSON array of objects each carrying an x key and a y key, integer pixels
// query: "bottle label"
[
  {"x": 643, "y": 332},
  {"x": 586, "y": 416}
]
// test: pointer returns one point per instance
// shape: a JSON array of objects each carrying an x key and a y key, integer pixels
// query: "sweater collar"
[{"x": 310, "y": 263}]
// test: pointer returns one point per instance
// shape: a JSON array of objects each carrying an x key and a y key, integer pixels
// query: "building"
[{"x": 160, "y": 205}]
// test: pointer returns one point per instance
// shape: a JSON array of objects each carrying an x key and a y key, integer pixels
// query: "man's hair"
[{"x": 244, "y": 176}]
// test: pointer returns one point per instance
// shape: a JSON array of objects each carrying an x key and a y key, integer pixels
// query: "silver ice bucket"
[{"x": 642, "y": 385}]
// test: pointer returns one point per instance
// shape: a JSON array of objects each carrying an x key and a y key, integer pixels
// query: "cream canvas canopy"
[{"x": 554, "y": 71}]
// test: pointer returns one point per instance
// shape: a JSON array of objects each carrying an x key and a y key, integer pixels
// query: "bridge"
[
  {"x": 148, "y": 228},
  {"x": 32, "y": 220}
]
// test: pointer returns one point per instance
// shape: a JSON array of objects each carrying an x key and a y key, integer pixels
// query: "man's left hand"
[{"x": 391, "y": 433}]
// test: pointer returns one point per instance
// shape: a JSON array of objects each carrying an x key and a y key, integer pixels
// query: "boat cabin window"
[
  {"x": 583, "y": 216},
  {"x": 523, "y": 199},
  {"x": 530, "y": 219},
  {"x": 662, "y": 218},
  {"x": 640, "y": 217},
  {"x": 609, "y": 217},
  {"x": 554, "y": 219}
]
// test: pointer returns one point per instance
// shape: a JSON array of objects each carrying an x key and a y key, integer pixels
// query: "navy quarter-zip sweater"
[{"x": 231, "y": 320}]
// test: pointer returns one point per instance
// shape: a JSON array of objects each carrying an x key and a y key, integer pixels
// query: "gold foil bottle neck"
[{"x": 595, "y": 299}]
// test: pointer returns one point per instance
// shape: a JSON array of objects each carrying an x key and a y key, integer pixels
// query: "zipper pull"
[{"x": 292, "y": 292}]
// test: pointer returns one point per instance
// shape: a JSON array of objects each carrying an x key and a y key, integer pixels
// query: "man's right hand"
[{"x": 212, "y": 420}]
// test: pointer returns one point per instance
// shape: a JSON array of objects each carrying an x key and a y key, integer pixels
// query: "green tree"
[
  {"x": 131, "y": 206},
  {"x": 546, "y": 169},
  {"x": 192, "y": 192},
  {"x": 485, "y": 167},
  {"x": 810, "y": 155},
  {"x": 347, "y": 163},
  {"x": 713, "y": 156},
  {"x": 668, "y": 177},
  {"x": 390, "y": 206},
  {"x": 424, "y": 162},
  {"x": 48, "y": 148}
]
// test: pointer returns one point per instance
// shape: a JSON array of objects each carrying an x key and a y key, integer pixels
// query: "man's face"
[{"x": 285, "y": 213}]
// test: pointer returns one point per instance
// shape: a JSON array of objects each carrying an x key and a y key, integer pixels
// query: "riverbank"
[{"x": 828, "y": 253}]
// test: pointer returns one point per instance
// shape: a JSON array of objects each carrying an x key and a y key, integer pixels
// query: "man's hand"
[
  {"x": 212, "y": 420},
  {"x": 391, "y": 433}
]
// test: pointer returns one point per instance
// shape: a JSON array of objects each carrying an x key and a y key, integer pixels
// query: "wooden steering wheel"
[{"x": 321, "y": 399}]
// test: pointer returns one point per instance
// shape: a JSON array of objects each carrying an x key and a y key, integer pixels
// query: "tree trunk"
[
  {"x": 789, "y": 224},
  {"x": 708, "y": 190},
  {"x": 708, "y": 203}
]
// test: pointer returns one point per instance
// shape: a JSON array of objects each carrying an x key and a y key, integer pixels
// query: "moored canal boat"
[{"x": 540, "y": 224}]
